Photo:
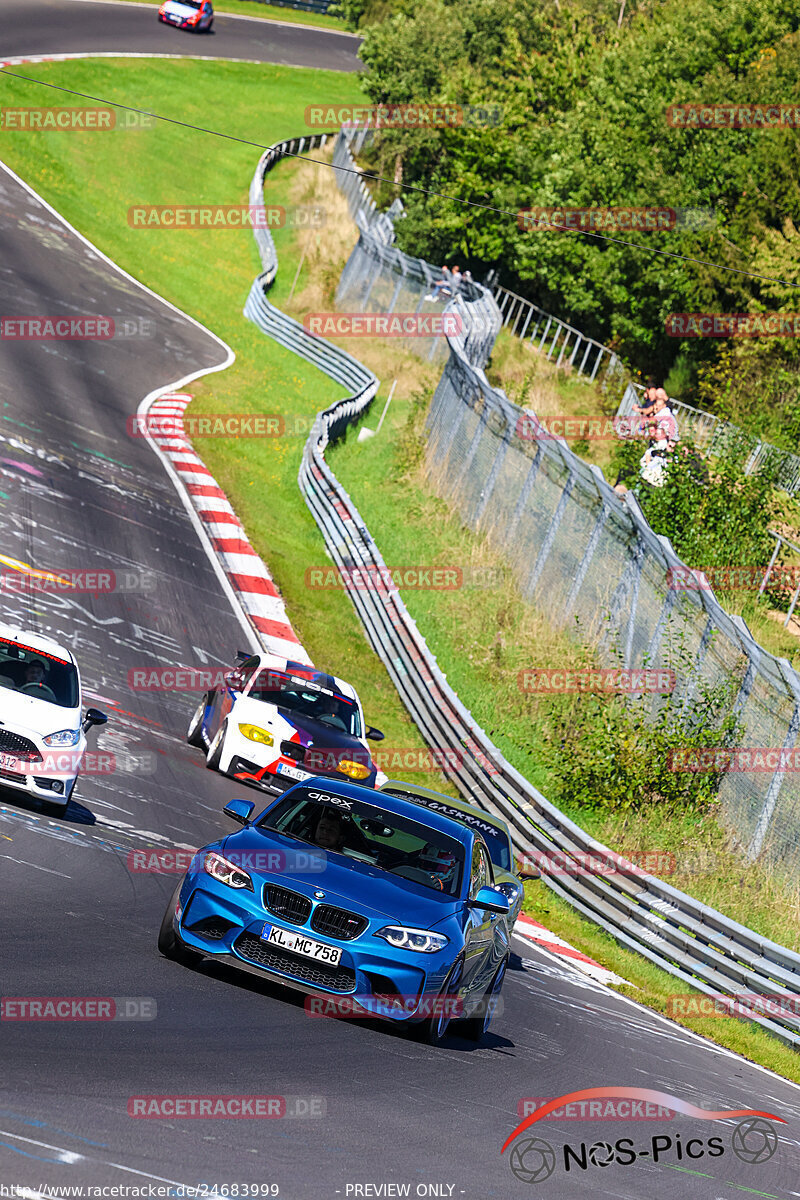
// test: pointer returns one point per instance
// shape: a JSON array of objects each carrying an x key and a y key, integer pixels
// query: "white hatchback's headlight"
[
  {"x": 64, "y": 737},
  {"x": 422, "y": 940},
  {"x": 223, "y": 871}
]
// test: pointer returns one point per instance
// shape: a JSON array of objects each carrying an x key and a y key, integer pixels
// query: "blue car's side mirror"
[
  {"x": 239, "y": 810},
  {"x": 490, "y": 899}
]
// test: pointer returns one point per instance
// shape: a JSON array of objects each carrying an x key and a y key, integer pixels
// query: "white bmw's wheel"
[
  {"x": 215, "y": 750},
  {"x": 194, "y": 734}
]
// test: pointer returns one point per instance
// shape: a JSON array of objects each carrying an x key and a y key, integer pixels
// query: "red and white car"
[{"x": 197, "y": 15}]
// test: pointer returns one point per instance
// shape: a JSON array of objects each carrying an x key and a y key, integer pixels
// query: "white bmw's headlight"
[
  {"x": 64, "y": 737},
  {"x": 223, "y": 871},
  {"x": 422, "y": 940}
]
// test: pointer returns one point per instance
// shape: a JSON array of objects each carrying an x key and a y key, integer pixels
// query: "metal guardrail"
[
  {"x": 558, "y": 341},
  {"x": 709, "y": 433},
  {"x": 697, "y": 945}
]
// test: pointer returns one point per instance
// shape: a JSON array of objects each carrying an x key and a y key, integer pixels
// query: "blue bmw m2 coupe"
[{"x": 344, "y": 892}]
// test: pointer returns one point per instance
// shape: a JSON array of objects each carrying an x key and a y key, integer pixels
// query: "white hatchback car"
[{"x": 42, "y": 736}]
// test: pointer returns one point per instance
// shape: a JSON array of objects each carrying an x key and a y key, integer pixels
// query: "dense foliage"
[{"x": 584, "y": 123}]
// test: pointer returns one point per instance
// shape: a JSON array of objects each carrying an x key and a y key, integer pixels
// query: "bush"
[{"x": 616, "y": 754}]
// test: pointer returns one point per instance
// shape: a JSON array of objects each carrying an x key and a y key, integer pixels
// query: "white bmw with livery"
[
  {"x": 271, "y": 722},
  {"x": 42, "y": 733}
]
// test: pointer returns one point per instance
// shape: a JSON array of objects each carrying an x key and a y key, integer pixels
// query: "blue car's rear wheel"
[{"x": 434, "y": 1028}]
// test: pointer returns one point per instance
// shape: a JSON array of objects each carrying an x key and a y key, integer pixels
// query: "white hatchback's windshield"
[{"x": 34, "y": 673}]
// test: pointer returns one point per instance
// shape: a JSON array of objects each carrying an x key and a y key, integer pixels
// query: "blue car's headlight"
[
  {"x": 64, "y": 737},
  {"x": 223, "y": 871},
  {"x": 422, "y": 940}
]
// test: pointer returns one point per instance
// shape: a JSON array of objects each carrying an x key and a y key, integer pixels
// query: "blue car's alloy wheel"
[
  {"x": 474, "y": 1027},
  {"x": 435, "y": 1027},
  {"x": 492, "y": 996}
]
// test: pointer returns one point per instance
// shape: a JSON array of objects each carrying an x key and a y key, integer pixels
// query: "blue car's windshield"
[
  {"x": 496, "y": 841},
  {"x": 395, "y": 844}
]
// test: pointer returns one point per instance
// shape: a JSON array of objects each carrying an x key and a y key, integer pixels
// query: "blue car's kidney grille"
[
  {"x": 290, "y": 905},
  {"x": 334, "y": 979},
  {"x": 338, "y": 922}
]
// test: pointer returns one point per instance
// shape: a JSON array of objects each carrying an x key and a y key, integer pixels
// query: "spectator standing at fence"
[
  {"x": 456, "y": 277},
  {"x": 662, "y": 425},
  {"x": 442, "y": 285}
]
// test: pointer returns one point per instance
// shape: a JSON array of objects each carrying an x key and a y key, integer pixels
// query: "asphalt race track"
[
  {"x": 61, "y": 26},
  {"x": 373, "y": 1108}
]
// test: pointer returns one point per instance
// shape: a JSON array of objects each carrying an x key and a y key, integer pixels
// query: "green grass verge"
[
  {"x": 92, "y": 179},
  {"x": 269, "y": 12}
]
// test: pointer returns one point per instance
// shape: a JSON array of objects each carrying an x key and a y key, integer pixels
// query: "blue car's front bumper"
[{"x": 226, "y": 924}]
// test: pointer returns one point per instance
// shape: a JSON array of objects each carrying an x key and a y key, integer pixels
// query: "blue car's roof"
[{"x": 385, "y": 802}]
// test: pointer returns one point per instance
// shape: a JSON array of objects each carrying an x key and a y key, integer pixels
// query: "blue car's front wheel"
[
  {"x": 169, "y": 943},
  {"x": 434, "y": 1028},
  {"x": 476, "y": 1026}
]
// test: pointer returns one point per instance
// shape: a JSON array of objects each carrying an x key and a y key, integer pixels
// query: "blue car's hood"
[{"x": 347, "y": 882}]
